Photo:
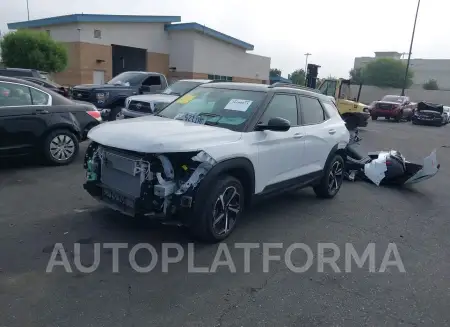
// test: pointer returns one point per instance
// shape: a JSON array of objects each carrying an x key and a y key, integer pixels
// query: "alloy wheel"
[
  {"x": 62, "y": 147},
  {"x": 335, "y": 177},
  {"x": 226, "y": 210}
]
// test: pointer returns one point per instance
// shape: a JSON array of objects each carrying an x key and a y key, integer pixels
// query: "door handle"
[
  {"x": 332, "y": 131},
  {"x": 41, "y": 111},
  {"x": 298, "y": 135}
]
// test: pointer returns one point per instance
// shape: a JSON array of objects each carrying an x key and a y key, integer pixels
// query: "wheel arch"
[
  {"x": 240, "y": 168},
  {"x": 61, "y": 126}
]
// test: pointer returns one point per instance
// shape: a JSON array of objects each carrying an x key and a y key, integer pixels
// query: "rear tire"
[
  {"x": 60, "y": 147},
  {"x": 216, "y": 218},
  {"x": 331, "y": 182},
  {"x": 374, "y": 117}
]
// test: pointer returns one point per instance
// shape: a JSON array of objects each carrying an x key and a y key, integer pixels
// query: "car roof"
[
  {"x": 195, "y": 80},
  {"x": 19, "y": 69},
  {"x": 21, "y": 81},
  {"x": 297, "y": 89}
]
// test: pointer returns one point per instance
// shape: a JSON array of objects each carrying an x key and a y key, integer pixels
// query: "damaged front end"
[
  {"x": 387, "y": 167},
  {"x": 158, "y": 185}
]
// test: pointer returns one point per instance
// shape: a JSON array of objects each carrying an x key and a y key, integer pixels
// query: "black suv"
[
  {"x": 36, "y": 120},
  {"x": 111, "y": 96}
]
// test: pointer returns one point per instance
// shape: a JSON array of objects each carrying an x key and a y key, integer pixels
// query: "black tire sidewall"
[
  {"x": 322, "y": 190},
  {"x": 203, "y": 218},
  {"x": 341, "y": 160},
  {"x": 46, "y": 150}
]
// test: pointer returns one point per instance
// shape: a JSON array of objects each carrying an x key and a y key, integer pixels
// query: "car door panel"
[
  {"x": 20, "y": 129},
  {"x": 279, "y": 153},
  {"x": 321, "y": 133}
]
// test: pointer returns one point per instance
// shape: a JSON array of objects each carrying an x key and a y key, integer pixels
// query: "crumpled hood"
[
  {"x": 166, "y": 98},
  {"x": 153, "y": 134}
]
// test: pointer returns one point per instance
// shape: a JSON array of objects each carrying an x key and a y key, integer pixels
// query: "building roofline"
[
  {"x": 93, "y": 18},
  {"x": 210, "y": 32}
]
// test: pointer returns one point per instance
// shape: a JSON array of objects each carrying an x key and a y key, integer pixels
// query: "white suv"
[
  {"x": 214, "y": 151},
  {"x": 146, "y": 104}
]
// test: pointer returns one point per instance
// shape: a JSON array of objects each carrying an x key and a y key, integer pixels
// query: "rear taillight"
[{"x": 95, "y": 114}]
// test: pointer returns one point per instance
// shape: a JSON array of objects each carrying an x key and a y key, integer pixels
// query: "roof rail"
[{"x": 296, "y": 86}]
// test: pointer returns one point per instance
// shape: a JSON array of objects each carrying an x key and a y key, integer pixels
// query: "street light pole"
[
  {"x": 410, "y": 50},
  {"x": 306, "y": 66},
  {"x": 306, "y": 62},
  {"x": 28, "y": 11}
]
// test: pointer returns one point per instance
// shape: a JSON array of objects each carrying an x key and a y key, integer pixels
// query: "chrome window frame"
[{"x": 49, "y": 102}]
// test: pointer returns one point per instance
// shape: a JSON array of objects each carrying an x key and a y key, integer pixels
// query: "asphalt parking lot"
[{"x": 42, "y": 206}]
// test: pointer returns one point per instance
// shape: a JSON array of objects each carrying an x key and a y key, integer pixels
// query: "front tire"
[
  {"x": 331, "y": 182},
  {"x": 374, "y": 117},
  {"x": 60, "y": 147},
  {"x": 216, "y": 218}
]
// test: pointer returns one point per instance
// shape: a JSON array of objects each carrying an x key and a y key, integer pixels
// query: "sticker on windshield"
[
  {"x": 186, "y": 99},
  {"x": 238, "y": 105},
  {"x": 191, "y": 118}
]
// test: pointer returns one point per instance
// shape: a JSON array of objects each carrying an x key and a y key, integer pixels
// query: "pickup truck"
[{"x": 110, "y": 97}]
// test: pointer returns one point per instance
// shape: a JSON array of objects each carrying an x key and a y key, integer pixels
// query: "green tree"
[
  {"x": 431, "y": 85},
  {"x": 275, "y": 72},
  {"x": 356, "y": 75},
  {"x": 387, "y": 72},
  {"x": 298, "y": 77},
  {"x": 33, "y": 50}
]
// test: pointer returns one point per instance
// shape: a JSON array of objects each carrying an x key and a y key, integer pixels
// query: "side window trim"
[
  {"x": 270, "y": 101},
  {"x": 325, "y": 117},
  {"x": 49, "y": 102}
]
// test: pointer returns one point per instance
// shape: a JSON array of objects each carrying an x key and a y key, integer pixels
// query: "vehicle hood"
[
  {"x": 153, "y": 98},
  {"x": 105, "y": 87},
  {"x": 350, "y": 102},
  {"x": 389, "y": 102},
  {"x": 153, "y": 134}
]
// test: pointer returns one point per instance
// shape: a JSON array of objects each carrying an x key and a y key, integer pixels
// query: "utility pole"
[
  {"x": 28, "y": 11},
  {"x": 410, "y": 49},
  {"x": 306, "y": 62},
  {"x": 306, "y": 67}
]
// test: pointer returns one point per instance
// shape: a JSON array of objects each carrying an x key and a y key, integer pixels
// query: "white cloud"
[{"x": 333, "y": 31}]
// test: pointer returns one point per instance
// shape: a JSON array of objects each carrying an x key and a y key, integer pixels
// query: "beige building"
[
  {"x": 103, "y": 46},
  {"x": 423, "y": 69}
]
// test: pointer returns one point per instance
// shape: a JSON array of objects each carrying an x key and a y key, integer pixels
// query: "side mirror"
[
  {"x": 144, "y": 89},
  {"x": 276, "y": 124}
]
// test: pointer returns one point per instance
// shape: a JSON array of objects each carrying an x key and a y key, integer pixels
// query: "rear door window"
[{"x": 14, "y": 95}]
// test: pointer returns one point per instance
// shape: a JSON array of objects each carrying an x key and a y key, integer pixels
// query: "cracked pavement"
[{"x": 41, "y": 206}]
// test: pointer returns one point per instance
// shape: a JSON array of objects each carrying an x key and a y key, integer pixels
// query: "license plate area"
[{"x": 115, "y": 198}]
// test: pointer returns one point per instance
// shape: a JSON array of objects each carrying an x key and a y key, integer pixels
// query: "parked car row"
[{"x": 401, "y": 108}]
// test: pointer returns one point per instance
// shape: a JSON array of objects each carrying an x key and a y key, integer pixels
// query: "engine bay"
[{"x": 144, "y": 184}]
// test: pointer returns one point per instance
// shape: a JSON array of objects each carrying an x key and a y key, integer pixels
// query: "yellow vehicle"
[{"x": 354, "y": 113}]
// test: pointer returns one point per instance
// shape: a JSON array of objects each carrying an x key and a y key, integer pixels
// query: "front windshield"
[
  {"x": 180, "y": 88},
  {"x": 390, "y": 98},
  {"x": 213, "y": 106},
  {"x": 128, "y": 79}
]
